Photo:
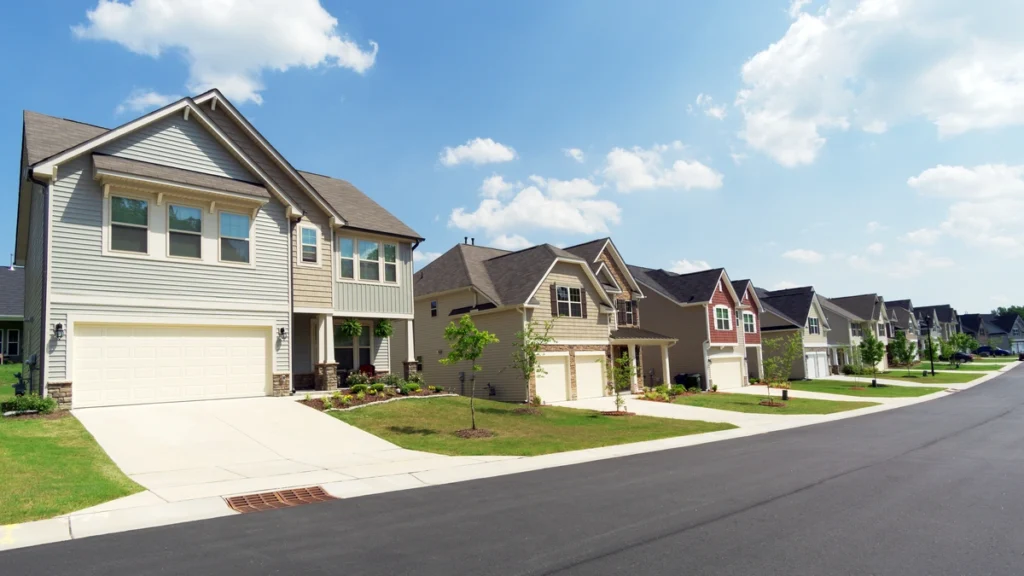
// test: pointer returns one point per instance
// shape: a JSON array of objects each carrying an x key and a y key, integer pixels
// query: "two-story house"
[
  {"x": 718, "y": 330},
  {"x": 585, "y": 293},
  {"x": 944, "y": 319},
  {"x": 796, "y": 312},
  {"x": 872, "y": 309},
  {"x": 179, "y": 256},
  {"x": 844, "y": 335},
  {"x": 902, "y": 318},
  {"x": 1004, "y": 331}
]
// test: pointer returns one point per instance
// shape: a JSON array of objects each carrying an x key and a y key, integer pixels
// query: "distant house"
[
  {"x": 1004, "y": 331},
  {"x": 12, "y": 313},
  {"x": 943, "y": 317},
  {"x": 845, "y": 335},
  {"x": 872, "y": 310},
  {"x": 796, "y": 311},
  {"x": 903, "y": 319}
]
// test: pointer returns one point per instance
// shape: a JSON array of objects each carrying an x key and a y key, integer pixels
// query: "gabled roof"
[
  {"x": 47, "y": 136},
  {"x": 971, "y": 323},
  {"x": 1004, "y": 321},
  {"x": 793, "y": 303},
  {"x": 900, "y": 317},
  {"x": 833, "y": 308},
  {"x": 12, "y": 292},
  {"x": 505, "y": 278},
  {"x": 867, "y": 306},
  {"x": 740, "y": 287},
  {"x": 944, "y": 312},
  {"x": 591, "y": 252},
  {"x": 904, "y": 304},
  {"x": 693, "y": 288},
  {"x": 359, "y": 210}
]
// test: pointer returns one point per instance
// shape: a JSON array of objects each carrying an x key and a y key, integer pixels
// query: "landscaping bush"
[
  {"x": 417, "y": 377},
  {"x": 661, "y": 389},
  {"x": 357, "y": 378},
  {"x": 536, "y": 400},
  {"x": 693, "y": 390},
  {"x": 391, "y": 380},
  {"x": 714, "y": 387},
  {"x": 676, "y": 391},
  {"x": 29, "y": 402},
  {"x": 403, "y": 390},
  {"x": 848, "y": 369},
  {"x": 377, "y": 387},
  {"x": 359, "y": 388},
  {"x": 346, "y": 400},
  {"x": 412, "y": 387},
  {"x": 361, "y": 396}
]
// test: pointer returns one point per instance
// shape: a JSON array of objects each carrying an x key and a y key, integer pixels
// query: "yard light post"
[{"x": 926, "y": 325}]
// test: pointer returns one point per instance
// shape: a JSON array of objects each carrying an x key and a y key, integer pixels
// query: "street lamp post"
[{"x": 926, "y": 325}]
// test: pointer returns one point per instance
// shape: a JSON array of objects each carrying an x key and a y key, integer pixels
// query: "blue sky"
[{"x": 853, "y": 145}]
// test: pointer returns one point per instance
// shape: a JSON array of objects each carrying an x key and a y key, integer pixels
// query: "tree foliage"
[
  {"x": 959, "y": 342},
  {"x": 527, "y": 349},
  {"x": 468, "y": 344},
  {"x": 902, "y": 350},
  {"x": 1018, "y": 310},
  {"x": 871, "y": 351},
  {"x": 779, "y": 354},
  {"x": 620, "y": 378}
]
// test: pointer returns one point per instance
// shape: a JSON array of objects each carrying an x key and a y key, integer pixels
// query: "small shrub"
[
  {"x": 536, "y": 401},
  {"x": 361, "y": 396},
  {"x": 391, "y": 380},
  {"x": 328, "y": 402},
  {"x": 676, "y": 391},
  {"x": 308, "y": 398},
  {"x": 357, "y": 388},
  {"x": 848, "y": 370},
  {"x": 371, "y": 392},
  {"x": 661, "y": 389},
  {"x": 753, "y": 380},
  {"x": 693, "y": 390},
  {"x": 29, "y": 402},
  {"x": 377, "y": 387},
  {"x": 357, "y": 378},
  {"x": 346, "y": 399},
  {"x": 714, "y": 387},
  {"x": 417, "y": 377},
  {"x": 412, "y": 387},
  {"x": 781, "y": 385}
]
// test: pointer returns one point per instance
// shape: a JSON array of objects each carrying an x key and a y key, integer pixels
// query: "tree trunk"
[{"x": 472, "y": 396}]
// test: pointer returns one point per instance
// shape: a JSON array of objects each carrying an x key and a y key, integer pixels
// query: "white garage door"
[
  {"x": 726, "y": 372},
  {"x": 553, "y": 385},
  {"x": 138, "y": 364},
  {"x": 590, "y": 376},
  {"x": 816, "y": 365}
]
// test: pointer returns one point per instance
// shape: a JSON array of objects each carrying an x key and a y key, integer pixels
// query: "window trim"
[
  {"x": 299, "y": 244},
  {"x": 108, "y": 241},
  {"x": 433, "y": 308},
  {"x": 815, "y": 327},
  {"x": 728, "y": 318},
  {"x": 753, "y": 323},
  {"x": 250, "y": 239},
  {"x": 627, "y": 313},
  {"x": 7, "y": 342},
  {"x": 569, "y": 301},
  {"x": 201, "y": 233},
  {"x": 368, "y": 326},
  {"x": 381, "y": 262}
]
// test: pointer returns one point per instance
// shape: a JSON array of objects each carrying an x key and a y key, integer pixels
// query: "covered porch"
[
  {"x": 327, "y": 348},
  {"x": 628, "y": 342}
]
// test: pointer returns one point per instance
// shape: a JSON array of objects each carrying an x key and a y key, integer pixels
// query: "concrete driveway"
[{"x": 190, "y": 450}]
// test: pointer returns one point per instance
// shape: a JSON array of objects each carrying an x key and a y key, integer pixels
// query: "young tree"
[
  {"x": 468, "y": 344},
  {"x": 932, "y": 352},
  {"x": 780, "y": 353},
  {"x": 871, "y": 351},
  {"x": 527, "y": 348},
  {"x": 960, "y": 342},
  {"x": 902, "y": 349},
  {"x": 620, "y": 377}
]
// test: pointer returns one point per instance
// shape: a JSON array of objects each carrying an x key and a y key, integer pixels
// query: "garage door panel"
[
  {"x": 553, "y": 385},
  {"x": 589, "y": 376},
  {"x": 140, "y": 364},
  {"x": 726, "y": 372}
]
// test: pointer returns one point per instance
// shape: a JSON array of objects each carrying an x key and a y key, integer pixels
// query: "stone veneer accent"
[
  {"x": 409, "y": 368},
  {"x": 326, "y": 376},
  {"x": 281, "y": 385},
  {"x": 305, "y": 381},
  {"x": 61, "y": 392}
]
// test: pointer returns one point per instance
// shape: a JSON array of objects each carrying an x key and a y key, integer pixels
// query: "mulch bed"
[
  {"x": 772, "y": 404},
  {"x": 322, "y": 403},
  {"x": 617, "y": 413},
  {"x": 57, "y": 415},
  {"x": 470, "y": 433}
]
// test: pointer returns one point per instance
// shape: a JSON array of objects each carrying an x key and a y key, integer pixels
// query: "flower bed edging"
[{"x": 395, "y": 399}]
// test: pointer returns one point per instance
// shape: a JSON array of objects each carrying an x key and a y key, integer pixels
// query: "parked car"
[
  {"x": 963, "y": 357},
  {"x": 983, "y": 351},
  {"x": 1001, "y": 352}
]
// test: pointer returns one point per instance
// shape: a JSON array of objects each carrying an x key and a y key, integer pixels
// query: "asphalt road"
[{"x": 934, "y": 488}]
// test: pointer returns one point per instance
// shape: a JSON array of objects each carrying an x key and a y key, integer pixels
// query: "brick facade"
[
  {"x": 282, "y": 385},
  {"x": 722, "y": 298},
  {"x": 61, "y": 392}
]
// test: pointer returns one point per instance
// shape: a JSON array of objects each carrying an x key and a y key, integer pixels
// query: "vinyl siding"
[
  {"x": 596, "y": 326},
  {"x": 839, "y": 333},
  {"x": 815, "y": 339},
  {"x": 688, "y": 324},
  {"x": 179, "y": 143},
  {"x": 302, "y": 345},
  {"x": 382, "y": 353},
  {"x": 367, "y": 298},
  {"x": 398, "y": 346},
  {"x": 311, "y": 286},
  {"x": 774, "y": 342},
  {"x": 34, "y": 264}
]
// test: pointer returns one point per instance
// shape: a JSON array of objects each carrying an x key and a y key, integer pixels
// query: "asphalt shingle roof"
[
  {"x": 830, "y": 306},
  {"x": 793, "y": 303},
  {"x": 682, "y": 288},
  {"x": 12, "y": 292},
  {"x": 944, "y": 312},
  {"x": 863, "y": 305},
  {"x": 177, "y": 175},
  {"x": 47, "y": 136}
]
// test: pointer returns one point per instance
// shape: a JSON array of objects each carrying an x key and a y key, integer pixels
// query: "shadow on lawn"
[{"x": 412, "y": 431}]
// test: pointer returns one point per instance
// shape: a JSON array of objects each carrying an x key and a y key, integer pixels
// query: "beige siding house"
[
  {"x": 797, "y": 312},
  {"x": 874, "y": 315}
]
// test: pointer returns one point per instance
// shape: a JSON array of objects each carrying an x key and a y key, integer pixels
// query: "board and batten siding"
[
  {"x": 375, "y": 298},
  {"x": 80, "y": 267},
  {"x": 596, "y": 326},
  {"x": 34, "y": 263},
  {"x": 311, "y": 285},
  {"x": 179, "y": 143}
]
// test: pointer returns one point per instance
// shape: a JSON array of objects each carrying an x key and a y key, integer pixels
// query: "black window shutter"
[
  {"x": 554, "y": 301},
  {"x": 632, "y": 305},
  {"x": 621, "y": 305},
  {"x": 583, "y": 301}
]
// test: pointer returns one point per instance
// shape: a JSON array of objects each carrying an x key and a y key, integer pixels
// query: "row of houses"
[{"x": 670, "y": 325}]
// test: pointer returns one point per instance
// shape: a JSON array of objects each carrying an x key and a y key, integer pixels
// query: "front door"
[{"x": 353, "y": 353}]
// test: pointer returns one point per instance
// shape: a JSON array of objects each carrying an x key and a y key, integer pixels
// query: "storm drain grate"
[{"x": 278, "y": 499}]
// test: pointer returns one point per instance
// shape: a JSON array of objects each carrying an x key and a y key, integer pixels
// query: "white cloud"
[
  {"x": 421, "y": 257},
  {"x": 911, "y": 264},
  {"x": 477, "y": 151},
  {"x": 495, "y": 186},
  {"x": 511, "y": 242},
  {"x": 873, "y": 227},
  {"x": 796, "y": 7},
  {"x": 644, "y": 169},
  {"x": 141, "y": 100},
  {"x": 229, "y": 44},
  {"x": 922, "y": 236},
  {"x": 564, "y": 206},
  {"x": 688, "y": 266},
  {"x": 803, "y": 255},
  {"x": 876, "y": 248},
  {"x": 575, "y": 153},
  {"x": 737, "y": 157},
  {"x": 707, "y": 105},
  {"x": 784, "y": 285},
  {"x": 986, "y": 204},
  {"x": 871, "y": 64}
]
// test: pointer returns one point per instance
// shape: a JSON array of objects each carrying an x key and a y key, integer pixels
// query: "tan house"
[
  {"x": 180, "y": 256},
  {"x": 844, "y": 335},
  {"x": 872, "y": 310},
  {"x": 718, "y": 330},
  {"x": 585, "y": 290},
  {"x": 796, "y": 311}
]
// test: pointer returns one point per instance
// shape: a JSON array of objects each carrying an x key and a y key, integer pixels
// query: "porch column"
[
  {"x": 632, "y": 365},
  {"x": 409, "y": 366},
  {"x": 667, "y": 375},
  {"x": 325, "y": 373}
]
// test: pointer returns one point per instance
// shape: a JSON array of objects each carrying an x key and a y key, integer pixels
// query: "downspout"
[
  {"x": 707, "y": 364},
  {"x": 41, "y": 355},
  {"x": 291, "y": 304}
]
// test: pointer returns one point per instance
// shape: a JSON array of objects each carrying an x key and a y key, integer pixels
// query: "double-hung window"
[
  {"x": 856, "y": 330},
  {"x": 309, "y": 244},
  {"x": 390, "y": 263},
  {"x": 369, "y": 261},
  {"x": 347, "y": 254},
  {"x": 185, "y": 231},
  {"x": 14, "y": 342},
  {"x": 569, "y": 301},
  {"x": 433, "y": 308},
  {"x": 234, "y": 237},
  {"x": 375, "y": 261},
  {"x": 748, "y": 323},
  {"x": 628, "y": 312},
  {"x": 813, "y": 327},
  {"x": 129, "y": 225},
  {"x": 723, "y": 320},
  {"x": 881, "y": 329}
]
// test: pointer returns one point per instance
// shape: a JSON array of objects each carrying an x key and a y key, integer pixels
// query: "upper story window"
[
  {"x": 234, "y": 237},
  {"x": 185, "y": 231},
  {"x": 310, "y": 252},
  {"x": 881, "y": 329},
  {"x": 129, "y": 225},
  {"x": 433, "y": 307},
  {"x": 856, "y": 330},
  {"x": 628, "y": 312},
  {"x": 723, "y": 319},
  {"x": 569, "y": 301},
  {"x": 749, "y": 325},
  {"x": 375, "y": 261},
  {"x": 813, "y": 327}
]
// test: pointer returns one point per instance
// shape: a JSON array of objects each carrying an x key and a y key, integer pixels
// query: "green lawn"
[
  {"x": 996, "y": 359},
  {"x": 864, "y": 389},
  {"x": 969, "y": 367},
  {"x": 50, "y": 467},
  {"x": 940, "y": 377},
  {"x": 429, "y": 425},
  {"x": 751, "y": 403},
  {"x": 7, "y": 372}
]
